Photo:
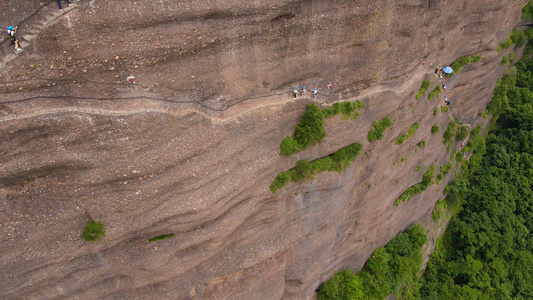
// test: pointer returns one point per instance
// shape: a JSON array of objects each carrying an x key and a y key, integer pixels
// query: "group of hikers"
[
  {"x": 12, "y": 31},
  {"x": 303, "y": 92},
  {"x": 439, "y": 71}
]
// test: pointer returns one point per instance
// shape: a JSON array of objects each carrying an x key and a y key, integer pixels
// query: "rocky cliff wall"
[{"x": 164, "y": 156}]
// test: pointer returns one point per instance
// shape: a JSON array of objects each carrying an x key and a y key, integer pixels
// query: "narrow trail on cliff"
[
  {"x": 47, "y": 15},
  {"x": 222, "y": 114}
]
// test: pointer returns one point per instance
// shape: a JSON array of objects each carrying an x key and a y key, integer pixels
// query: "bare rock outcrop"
[{"x": 165, "y": 156}]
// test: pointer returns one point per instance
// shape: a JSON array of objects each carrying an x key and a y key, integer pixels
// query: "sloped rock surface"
[{"x": 163, "y": 156}]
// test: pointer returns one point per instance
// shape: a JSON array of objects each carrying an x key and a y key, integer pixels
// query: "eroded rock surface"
[{"x": 163, "y": 156}]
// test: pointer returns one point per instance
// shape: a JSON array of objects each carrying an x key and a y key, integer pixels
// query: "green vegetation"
[
  {"x": 462, "y": 133},
  {"x": 404, "y": 158},
  {"x": 435, "y": 92},
  {"x": 376, "y": 132},
  {"x": 435, "y": 111},
  {"x": 438, "y": 210},
  {"x": 160, "y": 237},
  {"x": 348, "y": 110},
  {"x": 444, "y": 108},
  {"x": 527, "y": 11},
  {"x": 417, "y": 188},
  {"x": 311, "y": 130},
  {"x": 454, "y": 154},
  {"x": 410, "y": 132},
  {"x": 487, "y": 251},
  {"x": 435, "y": 129},
  {"x": 449, "y": 133},
  {"x": 305, "y": 169},
  {"x": 516, "y": 37},
  {"x": 421, "y": 144},
  {"x": 509, "y": 60},
  {"x": 93, "y": 231},
  {"x": 418, "y": 169},
  {"x": 388, "y": 269},
  {"x": 463, "y": 61},
  {"x": 425, "y": 86},
  {"x": 444, "y": 170}
]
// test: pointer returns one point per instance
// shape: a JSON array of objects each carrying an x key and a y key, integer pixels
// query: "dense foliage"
[
  {"x": 376, "y": 132},
  {"x": 93, "y": 231},
  {"x": 463, "y": 61},
  {"x": 527, "y": 11},
  {"x": 388, "y": 269},
  {"x": 436, "y": 91},
  {"x": 449, "y": 133},
  {"x": 305, "y": 169},
  {"x": 423, "y": 88},
  {"x": 488, "y": 250},
  {"x": 435, "y": 129},
  {"x": 310, "y": 129},
  {"x": 409, "y": 133}
]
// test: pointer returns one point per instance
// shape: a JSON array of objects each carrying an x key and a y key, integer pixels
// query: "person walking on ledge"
[
  {"x": 11, "y": 31},
  {"x": 59, "y": 3}
]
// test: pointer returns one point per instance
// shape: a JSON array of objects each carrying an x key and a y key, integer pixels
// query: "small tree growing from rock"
[{"x": 94, "y": 231}]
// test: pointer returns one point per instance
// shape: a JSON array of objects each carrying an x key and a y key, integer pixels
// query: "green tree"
[{"x": 93, "y": 231}]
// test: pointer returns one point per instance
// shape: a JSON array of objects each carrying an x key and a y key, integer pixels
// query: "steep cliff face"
[{"x": 164, "y": 156}]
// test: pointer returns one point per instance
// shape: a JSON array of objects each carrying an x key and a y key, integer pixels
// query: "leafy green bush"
[
  {"x": 302, "y": 171},
  {"x": 280, "y": 181},
  {"x": 438, "y": 210},
  {"x": 435, "y": 92},
  {"x": 376, "y": 132},
  {"x": 417, "y": 188},
  {"x": 435, "y": 111},
  {"x": 305, "y": 169},
  {"x": 435, "y": 129},
  {"x": 410, "y": 132},
  {"x": 388, "y": 268},
  {"x": 446, "y": 168},
  {"x": 463, "y": 61},
  {"x": 418, "y": 169},
  {"x": 93, "y": 231},
  {"x": 421, "y": 144},
  {"x": 527, "y": 11},
  {"x": 462, "y": 133},
  {"x": 289, "y": 146},
  {"x": 444, "y": 108},
  {"x": 449, "y": 133},
  {"x": 423, "y": 88},
  {"x": 348, "y": 109},
  {"x": 160, "y": 237},
  {"x": 505, "y": 60},
  {"x": 516, "y": 37},
  {"x": 310, "y": 130},
  {"x": 476, "y": 131}
]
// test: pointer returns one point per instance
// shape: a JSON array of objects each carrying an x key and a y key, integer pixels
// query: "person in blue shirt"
[{"x": 11, "y": 31}]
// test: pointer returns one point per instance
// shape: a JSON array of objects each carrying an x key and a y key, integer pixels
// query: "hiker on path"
[
  {"x": 11, "y": 31},
  {"x": 295, "y": 92},
  {"x": 59, "y": 3},
  {"x": 315, "y": 92},
  {"x": 304, "y": 92}
]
